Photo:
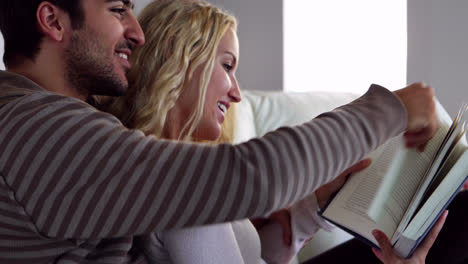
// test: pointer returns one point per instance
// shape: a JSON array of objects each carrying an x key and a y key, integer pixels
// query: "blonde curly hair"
[{"x": 181, "y": 35}]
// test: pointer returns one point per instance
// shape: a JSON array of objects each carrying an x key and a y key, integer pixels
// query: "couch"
[{"x": 260, "y": 112}]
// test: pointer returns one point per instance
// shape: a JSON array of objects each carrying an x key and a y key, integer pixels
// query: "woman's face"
[{"x": 222, "y": 90}]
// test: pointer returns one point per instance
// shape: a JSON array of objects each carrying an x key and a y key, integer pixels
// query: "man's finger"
[
  {"x": 418, "y": 140},
  {"x": 358, "y": 166},
  {"x": 422, "y": 147}
]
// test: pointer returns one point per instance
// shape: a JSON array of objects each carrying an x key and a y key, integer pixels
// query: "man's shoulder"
[
  {"x": 18, "y": 89},
  {"x": 14, "y": 87},
  {"x": 19, "y": 95}
]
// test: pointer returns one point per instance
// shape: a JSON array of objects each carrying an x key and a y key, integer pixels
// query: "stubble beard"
[{"x": 89, "y": 70}]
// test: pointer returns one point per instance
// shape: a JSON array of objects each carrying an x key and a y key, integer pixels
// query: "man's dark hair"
[{"x": 20, "y": 30}]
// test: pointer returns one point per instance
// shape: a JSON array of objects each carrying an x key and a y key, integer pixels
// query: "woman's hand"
[
  {"x": 388, "y": 256},
  {"x": 283, "y": 217}
]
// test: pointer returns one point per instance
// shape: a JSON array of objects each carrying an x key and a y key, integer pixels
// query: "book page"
[
  {"x": 438, "y": 199},
  {"x": 405, "y": 175},
  {"x": 351, "y": 205},
  {"x": 383, "y": 195},
  {"x": 377, "y": 197},
  {"x": 452, "y": 137},
  {"x": 455, "y": 153}
]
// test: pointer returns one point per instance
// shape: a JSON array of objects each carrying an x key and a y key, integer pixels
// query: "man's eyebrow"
[{"x": 127, "y": 3}]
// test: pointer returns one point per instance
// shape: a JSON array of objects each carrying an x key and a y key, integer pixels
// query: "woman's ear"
[{"x": 51, "y": 21}]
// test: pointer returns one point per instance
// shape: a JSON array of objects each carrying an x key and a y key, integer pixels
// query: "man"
[{"x": 76, "y": 186}]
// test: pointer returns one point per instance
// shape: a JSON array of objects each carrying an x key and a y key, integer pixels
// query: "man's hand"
[
  {"x": 388, "y": 256},
  {"x": 325, "y": 191},
  {"x": 422, "y": 118}
]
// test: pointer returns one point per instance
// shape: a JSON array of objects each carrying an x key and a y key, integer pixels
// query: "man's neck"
[{"x": 49, "y": 78}]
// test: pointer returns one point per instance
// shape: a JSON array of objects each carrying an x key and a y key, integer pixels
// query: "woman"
[
  {"x": 190, "y": 82},
  {"x": 182, "y": 86}
]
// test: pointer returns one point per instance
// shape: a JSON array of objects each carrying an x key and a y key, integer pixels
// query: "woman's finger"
[
  {"x": 384, "y": 244},
  {"x": 283, "y": 217},
  {"x": 424, "y": 247}
]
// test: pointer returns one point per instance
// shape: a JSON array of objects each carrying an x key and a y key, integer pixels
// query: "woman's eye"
[{"x": 228, "y": 67}]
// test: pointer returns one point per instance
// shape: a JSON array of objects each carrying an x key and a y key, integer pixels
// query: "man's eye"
[{"x": 120, "y": 11}]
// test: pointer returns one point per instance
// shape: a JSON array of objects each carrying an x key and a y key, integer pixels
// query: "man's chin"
[
  {"x": 110, "y": 87},
  {"x": 115, "y": 91}
]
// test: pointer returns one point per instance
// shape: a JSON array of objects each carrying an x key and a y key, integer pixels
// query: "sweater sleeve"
[{"x": 78, "y": 173}]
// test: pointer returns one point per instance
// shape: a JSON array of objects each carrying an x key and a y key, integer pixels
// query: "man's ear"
[{"x": 52, "y": 21}]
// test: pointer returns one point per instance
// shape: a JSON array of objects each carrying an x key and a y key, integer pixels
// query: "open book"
[{"x": 403, "y": 192}]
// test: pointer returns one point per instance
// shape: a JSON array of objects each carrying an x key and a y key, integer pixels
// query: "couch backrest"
[{"x": 260, "y": 112}]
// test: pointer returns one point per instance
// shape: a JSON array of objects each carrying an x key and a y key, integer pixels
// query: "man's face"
[{"x": 97, "y": 54}]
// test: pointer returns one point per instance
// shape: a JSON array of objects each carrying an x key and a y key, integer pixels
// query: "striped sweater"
[{"x": 77, "y": 187}]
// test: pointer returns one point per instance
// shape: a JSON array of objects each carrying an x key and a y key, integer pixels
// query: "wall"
[
  {"x": 260, "y": 39},
  {"x": 438, "y": 48},
  {"x": 261, "y": 42},
  {"x": 437, "y": 45},
  {"x": 2, "y": 67}
]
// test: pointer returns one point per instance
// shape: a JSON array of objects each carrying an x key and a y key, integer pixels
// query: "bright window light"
[{"x": 344, "y": 46}]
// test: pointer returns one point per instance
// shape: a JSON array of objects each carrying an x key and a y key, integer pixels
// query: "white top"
[{"x": 235, "y": 242}]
